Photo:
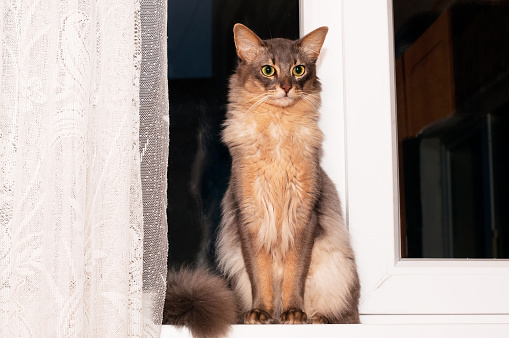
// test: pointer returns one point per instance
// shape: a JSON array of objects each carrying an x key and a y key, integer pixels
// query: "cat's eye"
[
  {"x": 268, "y": 71},
  {"x": 298, "y": 70}
]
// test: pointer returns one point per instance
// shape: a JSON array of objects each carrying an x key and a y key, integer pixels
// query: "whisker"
[
  {"x": 311, "y": 99},
  {"x": 257, "y": 103},
  {"x": 256, "y": 97}
]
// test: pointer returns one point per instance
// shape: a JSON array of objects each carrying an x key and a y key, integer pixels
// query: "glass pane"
[
  {"x": 201, "y": 57},
  {"x": 452, "y": 83}
]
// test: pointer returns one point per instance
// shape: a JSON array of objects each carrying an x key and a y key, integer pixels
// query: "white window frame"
[
  {"x": 423, "y": 297},
  {"x": 393, "y": 289}
]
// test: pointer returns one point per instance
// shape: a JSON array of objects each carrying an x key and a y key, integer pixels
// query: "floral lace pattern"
[{"x": 82, "y": 212}]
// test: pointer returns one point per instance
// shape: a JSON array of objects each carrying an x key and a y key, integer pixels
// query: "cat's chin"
[{"x": 283, "y": 101}]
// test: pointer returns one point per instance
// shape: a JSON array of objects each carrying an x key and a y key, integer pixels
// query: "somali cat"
[{"x": 282, "y": 242}]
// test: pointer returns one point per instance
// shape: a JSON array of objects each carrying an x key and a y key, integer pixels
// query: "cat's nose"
[{"x": 286, "y": 88}]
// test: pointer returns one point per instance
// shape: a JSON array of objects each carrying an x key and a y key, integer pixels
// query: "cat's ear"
[
  {"x": 247, "y": 42},
  {"x": 311, "y": 44}
]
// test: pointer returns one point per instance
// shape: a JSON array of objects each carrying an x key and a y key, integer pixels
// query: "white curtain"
[{"x": 83, "y": 155}]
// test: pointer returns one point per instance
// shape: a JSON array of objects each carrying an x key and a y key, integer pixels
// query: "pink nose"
[{"x": 286, "y": 88}]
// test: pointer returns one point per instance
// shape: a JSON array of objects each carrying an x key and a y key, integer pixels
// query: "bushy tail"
[{"x": 201, "y": 301}]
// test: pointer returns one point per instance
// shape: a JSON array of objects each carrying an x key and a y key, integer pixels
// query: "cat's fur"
[
  {"x": 282, "y": 243},
  {"x": 201, "y": 301}
]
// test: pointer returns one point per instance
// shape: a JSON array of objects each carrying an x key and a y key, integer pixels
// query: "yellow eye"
[
  {"x": 268, "y": 71},
  {"x": 298, "y": 70}
]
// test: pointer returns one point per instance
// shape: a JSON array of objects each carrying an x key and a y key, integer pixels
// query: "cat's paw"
[
  {"x": 318, "y": 319},
  {"x": 257, "y": 316},
  {"x": 294, "y": 316}
]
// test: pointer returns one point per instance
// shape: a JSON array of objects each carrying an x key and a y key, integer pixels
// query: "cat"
[{"x": 282, "y": 243}]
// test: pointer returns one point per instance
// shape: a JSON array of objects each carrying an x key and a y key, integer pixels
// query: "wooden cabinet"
[
  {"x": 426, "y": 79},
  {"x": 460, "y": 64}
]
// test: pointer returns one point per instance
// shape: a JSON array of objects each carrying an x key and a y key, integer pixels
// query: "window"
[
  {"x": 453, "y": 124},
  {"x": 416, "y": 289},
  {"x": 360, "y": 154}
]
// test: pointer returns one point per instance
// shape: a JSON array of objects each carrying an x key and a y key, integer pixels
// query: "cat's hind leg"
[
  {"x": 229, "y": 255},
  {"x": 332, "y": 286}
]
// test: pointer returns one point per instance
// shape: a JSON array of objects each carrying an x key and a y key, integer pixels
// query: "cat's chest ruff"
[
  {"x": 279, "y": 157},
  {"x": 279, "y": 136},
  {"x": 278, "y": 175},
  {"x": 275, "y": 142}
]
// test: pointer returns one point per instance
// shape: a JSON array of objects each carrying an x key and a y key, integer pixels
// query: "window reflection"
[{"x": 452, "y": 79}]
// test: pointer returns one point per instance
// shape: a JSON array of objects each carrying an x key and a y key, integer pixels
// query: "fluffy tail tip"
[{"x": 200, "y": 301}]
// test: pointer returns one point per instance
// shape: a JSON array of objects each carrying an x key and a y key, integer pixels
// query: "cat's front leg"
[
  {"x": 293, "y": 290},
  {"x": 259, "y": 268},
  {"x": 296, "y": 266}
]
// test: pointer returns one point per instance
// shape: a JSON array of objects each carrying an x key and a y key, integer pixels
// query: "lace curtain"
[{"x": 83, "y": 155}]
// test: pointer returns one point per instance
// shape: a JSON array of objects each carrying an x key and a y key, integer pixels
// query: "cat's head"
[{"x": 278, "y": 71}]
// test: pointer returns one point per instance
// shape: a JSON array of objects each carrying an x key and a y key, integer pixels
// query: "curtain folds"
[
  {"x": 83, "y": 156},
  {"x": 154, "y": 138}
]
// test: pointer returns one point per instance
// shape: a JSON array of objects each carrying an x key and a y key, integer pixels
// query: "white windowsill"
[{"x": 363, "y": 330}]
